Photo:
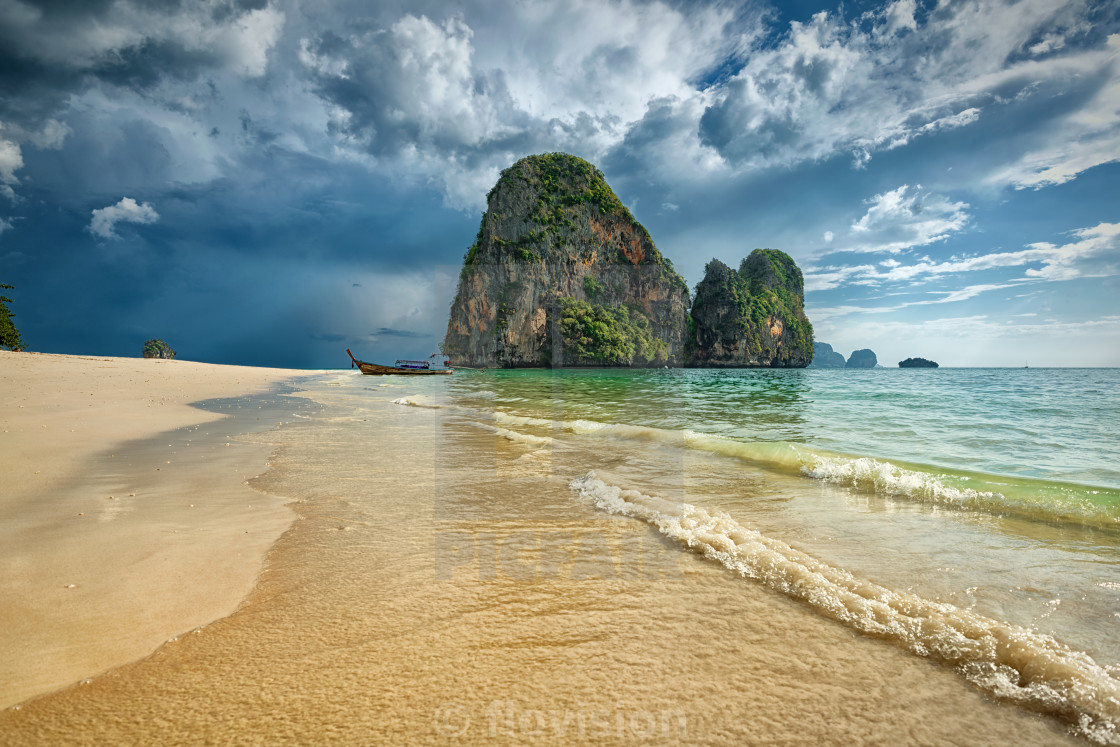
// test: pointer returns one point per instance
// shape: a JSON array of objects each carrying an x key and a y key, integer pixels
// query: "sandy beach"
[
  {"x": 125, "y": 519},
  {"x": 444, "y": 583}
]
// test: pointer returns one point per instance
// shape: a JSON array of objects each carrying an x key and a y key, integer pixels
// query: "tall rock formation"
[
  {"x": 753, "y": 317},
  {"x": 561, "y": 274},
  {"x": 825, "y": 357}
]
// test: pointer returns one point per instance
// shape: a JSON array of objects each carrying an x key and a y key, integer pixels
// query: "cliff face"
[
  {"x": 561, "y": 274},
  {"x": 751, "y": 317},
  {"x": 825, "y": 357}
]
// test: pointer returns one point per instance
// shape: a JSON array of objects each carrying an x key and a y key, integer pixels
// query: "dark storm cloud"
[
  {"x": 316, "y": 167},
  {"x": 50, "y": 50},
  {"x": 413, "y": 85},
  {"x": 387, "y": 332}
]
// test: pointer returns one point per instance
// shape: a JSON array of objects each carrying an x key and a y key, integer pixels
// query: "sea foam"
[{"x": 1008, "y": 661}]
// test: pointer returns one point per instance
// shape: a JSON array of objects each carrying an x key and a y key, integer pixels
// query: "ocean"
[
  {"x": 971, "y": 516},
  {"x": 660, "y": 556}
]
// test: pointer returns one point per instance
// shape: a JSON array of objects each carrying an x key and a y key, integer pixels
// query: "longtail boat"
[{"x": 402, "y": 367}]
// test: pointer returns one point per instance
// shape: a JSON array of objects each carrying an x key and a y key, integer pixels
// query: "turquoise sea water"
[
  {"x": 1033, "y": 441},
  {"x": 968, "y": 515}
]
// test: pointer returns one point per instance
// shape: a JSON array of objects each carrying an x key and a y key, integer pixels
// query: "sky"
[{"x": 271, "y": 182}]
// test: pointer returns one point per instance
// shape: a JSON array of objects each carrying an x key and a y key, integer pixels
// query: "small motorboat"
[{"x": 403, "y": 367}]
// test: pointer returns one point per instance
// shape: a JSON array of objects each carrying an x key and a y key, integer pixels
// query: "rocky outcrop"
[
  {"x": 864, "y": 358},
  {"x": 561, "y": 274},
  {"x": 753, "y": 317},
  {"x": 157, "y": 349},
  {"x": 917, "y": 363},
  {"x": 825, "y": 357}
]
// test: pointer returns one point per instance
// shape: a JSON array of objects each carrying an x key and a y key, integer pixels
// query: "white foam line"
[
  {"x": 416, "y": 400},
  {"x": 861, "y": 473},
  {"x": 1008, "y": 661},
  {"x": 516, "y": 436}
]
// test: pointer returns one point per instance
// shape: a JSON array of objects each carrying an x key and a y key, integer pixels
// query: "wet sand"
[
  {"x": 125, "y": 519},
  {"x": 443, "y": 586}
]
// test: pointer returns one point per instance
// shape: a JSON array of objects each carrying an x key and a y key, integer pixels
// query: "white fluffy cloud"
[
  {"x": 456, "y": 102},
  {"x": 877, "y": 82},
  {"x": 1085, "y": 138},
  {"x": 681, "y": 95},
  {"x": 11, "y": 161},
  {"x": 1095, "y": 252},
  {"x": 105, "y": 219},
  {"x": 906, "y": 217},
  {"x": 897, "y": 220}
]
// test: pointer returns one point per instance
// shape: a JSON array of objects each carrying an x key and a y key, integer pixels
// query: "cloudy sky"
[{"x": 271, "y": 182}]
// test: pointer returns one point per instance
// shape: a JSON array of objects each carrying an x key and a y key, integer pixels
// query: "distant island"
[
  {"x": 917, "y": 363},
  {"x": 864, "y": 358},
  {"x": 825, "y": 357},
  {"x": 561, "y": 274}
]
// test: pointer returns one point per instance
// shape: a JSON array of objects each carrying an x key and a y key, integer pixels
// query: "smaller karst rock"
[
  {"x": 752, "y": 317},
  {"x": 864, "y": 358},
  {"x": 825, "y": 357},
  {"x": 917, "y": 363},
  {"x": 157, "y": 349}
]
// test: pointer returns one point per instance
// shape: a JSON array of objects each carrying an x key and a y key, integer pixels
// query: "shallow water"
[
  {"x": 612, "y": 557},
  {"x": 971, "y": 516}
]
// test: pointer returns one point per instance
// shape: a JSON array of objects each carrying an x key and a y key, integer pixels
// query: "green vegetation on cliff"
[
  {"x": 594, "y": 334},
  {"x": 558, "y": 260},
  {"x": 563, "y": 187},
  {"x": 777, "y": 290},
  {"x": 753, "y": 316},
  {"x": 561, "y": 181},
  {"x": 156, "y": 348}
]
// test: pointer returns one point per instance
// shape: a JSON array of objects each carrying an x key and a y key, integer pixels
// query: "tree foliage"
[
  {"x": 9, "y": 335},
  {"x": 156, "y": 348},
  {"x": 608, "y": 335}
]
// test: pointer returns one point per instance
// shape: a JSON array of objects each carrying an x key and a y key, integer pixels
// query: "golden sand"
[
  {"x": 113, "y": 541},
  {"x": 441, "y": 587}
]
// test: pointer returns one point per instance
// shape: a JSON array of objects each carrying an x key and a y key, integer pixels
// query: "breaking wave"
[{"x": 1010, "y": 662}]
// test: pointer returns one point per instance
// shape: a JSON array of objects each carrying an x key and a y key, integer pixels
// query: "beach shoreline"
[
  {"x": 445, "y": 580},
  {"x": 127, "y": 518}
]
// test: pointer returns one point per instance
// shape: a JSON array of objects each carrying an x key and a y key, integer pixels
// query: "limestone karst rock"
[
  {"x": 561, "y": 274},
  {"x": 752, "y": 317}
]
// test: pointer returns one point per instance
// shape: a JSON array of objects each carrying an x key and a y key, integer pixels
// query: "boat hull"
[{"x": 374, "y": 369}]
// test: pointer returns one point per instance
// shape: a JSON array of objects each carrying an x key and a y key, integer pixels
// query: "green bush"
[
  {"x": 592, "y": 287},
  {"x": 9, "y": 335},
  {"x": 156, "y": 348},
  {"x": 607, "y": 335}
]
